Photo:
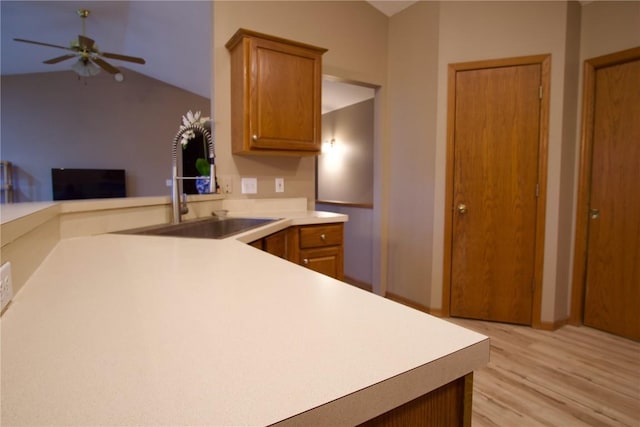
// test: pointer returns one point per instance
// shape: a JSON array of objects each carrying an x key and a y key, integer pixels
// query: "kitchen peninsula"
[{"x": 116, "y": 329}]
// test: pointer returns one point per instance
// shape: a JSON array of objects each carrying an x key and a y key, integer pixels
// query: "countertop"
[
  {"x": 12, "y": 212},
  {"x": 120, "y": 330}
]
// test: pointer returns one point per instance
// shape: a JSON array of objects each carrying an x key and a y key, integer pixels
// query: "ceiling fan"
[{"x": 90, "y": 59}]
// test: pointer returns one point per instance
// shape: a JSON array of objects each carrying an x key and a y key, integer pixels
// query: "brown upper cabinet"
[{"x": 276, "y": 95}]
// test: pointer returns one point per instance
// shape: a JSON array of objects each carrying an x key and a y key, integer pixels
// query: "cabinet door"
[
  {"x": 323, "y": 260},
  {"x": 276, "y": 244},
  {"x": 257, "y": 244},
  {"x": 285, "y": 97}
]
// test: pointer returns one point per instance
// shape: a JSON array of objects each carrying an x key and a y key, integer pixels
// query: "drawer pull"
[
  {"x": 305, "y": 261},
  {"x": 323, "y": 237}
]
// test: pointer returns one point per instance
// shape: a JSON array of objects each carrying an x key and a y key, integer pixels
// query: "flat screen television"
[{"x": 73, "y": 184}]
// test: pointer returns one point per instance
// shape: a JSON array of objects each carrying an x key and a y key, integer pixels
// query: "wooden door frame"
[
  {"x": 584, "y": 175},
  {"x": 545, "y": 67}
]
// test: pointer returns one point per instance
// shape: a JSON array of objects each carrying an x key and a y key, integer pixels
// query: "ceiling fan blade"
[
  {"x": 123, "y": 57},
  {"x": 105, "y": 65},
  {"x": 86, "y": 43},
  {"x": 43, "y": 44},
  {"x": 58, "y": 59}
]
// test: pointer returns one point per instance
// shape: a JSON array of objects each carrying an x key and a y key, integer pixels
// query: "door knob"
[
  {"x": 462, "y": 208},
  {"x": 594, "y": 213}
]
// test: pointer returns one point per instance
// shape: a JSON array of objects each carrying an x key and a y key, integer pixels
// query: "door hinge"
[
  {"x": 537, "y": 190},
  {"x": 540, "y": 91}
]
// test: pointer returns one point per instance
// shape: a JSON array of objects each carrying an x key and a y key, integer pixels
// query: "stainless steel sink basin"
[{"x": 212, "y": 228}]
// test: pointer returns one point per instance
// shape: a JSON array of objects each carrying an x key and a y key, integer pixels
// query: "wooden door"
[
  {"x": 495, "y": 187},
  {"x": 612, "y": 290}
]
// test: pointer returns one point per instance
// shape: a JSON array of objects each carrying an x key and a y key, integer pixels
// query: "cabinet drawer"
[{"x": 321, "y": 235}]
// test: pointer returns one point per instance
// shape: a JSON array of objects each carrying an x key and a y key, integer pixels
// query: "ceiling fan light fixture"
[
  {"x": 91, "y": 59},
  {"x": 85, "y": 68}
]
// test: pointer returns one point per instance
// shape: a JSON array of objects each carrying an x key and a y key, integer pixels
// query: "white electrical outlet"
[
  {"x": 249, "y": 185},
  {"x": 6, "y": 285},
  {"x": 279, "y": 185}
]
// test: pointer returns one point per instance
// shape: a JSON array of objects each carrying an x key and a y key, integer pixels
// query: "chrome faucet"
[
  {"x": 184, "y": 208},
  {"x": 180, "y": 208}
]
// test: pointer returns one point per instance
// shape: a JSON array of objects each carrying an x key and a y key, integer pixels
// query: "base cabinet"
[
  {"x": 449, "y": 405},
  {"x": 317, "y": 247},
  {"x": 276, "y": 244}
]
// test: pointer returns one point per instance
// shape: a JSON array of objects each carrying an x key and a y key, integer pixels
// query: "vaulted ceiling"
[{"x": 174, "y": 37}]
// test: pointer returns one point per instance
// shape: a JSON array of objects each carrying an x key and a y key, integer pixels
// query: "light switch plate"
[
  {"x": 6, "y": 285},
  {"x": 249, "y": 185},
  {"x": 279, "y": 185}
]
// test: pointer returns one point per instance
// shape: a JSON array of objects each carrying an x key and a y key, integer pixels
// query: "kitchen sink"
[{"x": 212, "y": 228}]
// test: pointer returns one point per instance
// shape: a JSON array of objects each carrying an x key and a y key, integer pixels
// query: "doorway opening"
[{"x": 345, "y": 171}]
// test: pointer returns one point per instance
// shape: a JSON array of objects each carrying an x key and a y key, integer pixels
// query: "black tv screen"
[{"x": 73, "y": 184}]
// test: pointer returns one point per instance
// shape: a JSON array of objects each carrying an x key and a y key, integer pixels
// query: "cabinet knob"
[
  {"x": 323, "y": 237},
  {"x": 305, "y": 261},
  {"x": 255, "y": 137}
]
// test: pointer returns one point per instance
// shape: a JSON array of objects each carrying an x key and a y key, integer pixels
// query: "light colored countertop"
[
  {"x": 142, "y": 330},
  {"x": 12, "y": 212},
  {"x": 15, "y": 211}
]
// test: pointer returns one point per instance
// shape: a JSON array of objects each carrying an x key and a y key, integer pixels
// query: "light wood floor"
[{"x": 574, "y": 376}]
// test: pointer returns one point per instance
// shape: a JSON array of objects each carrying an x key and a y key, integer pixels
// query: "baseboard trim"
[
  {"x": 551, "y": 326},
  {"x": 358, "y": 283},
  {"x": 546, "y": 326},
  {"x": 409, "y": 303}
]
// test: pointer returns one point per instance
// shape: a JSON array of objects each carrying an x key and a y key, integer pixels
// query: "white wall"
[
  {"x": 412, "y": 109},
  {"x": 569, "y": 153},
  {"x": 609, "y": 26},
  {"x": 345, "y": 169},
  {"x": 52, "y": 120}
]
